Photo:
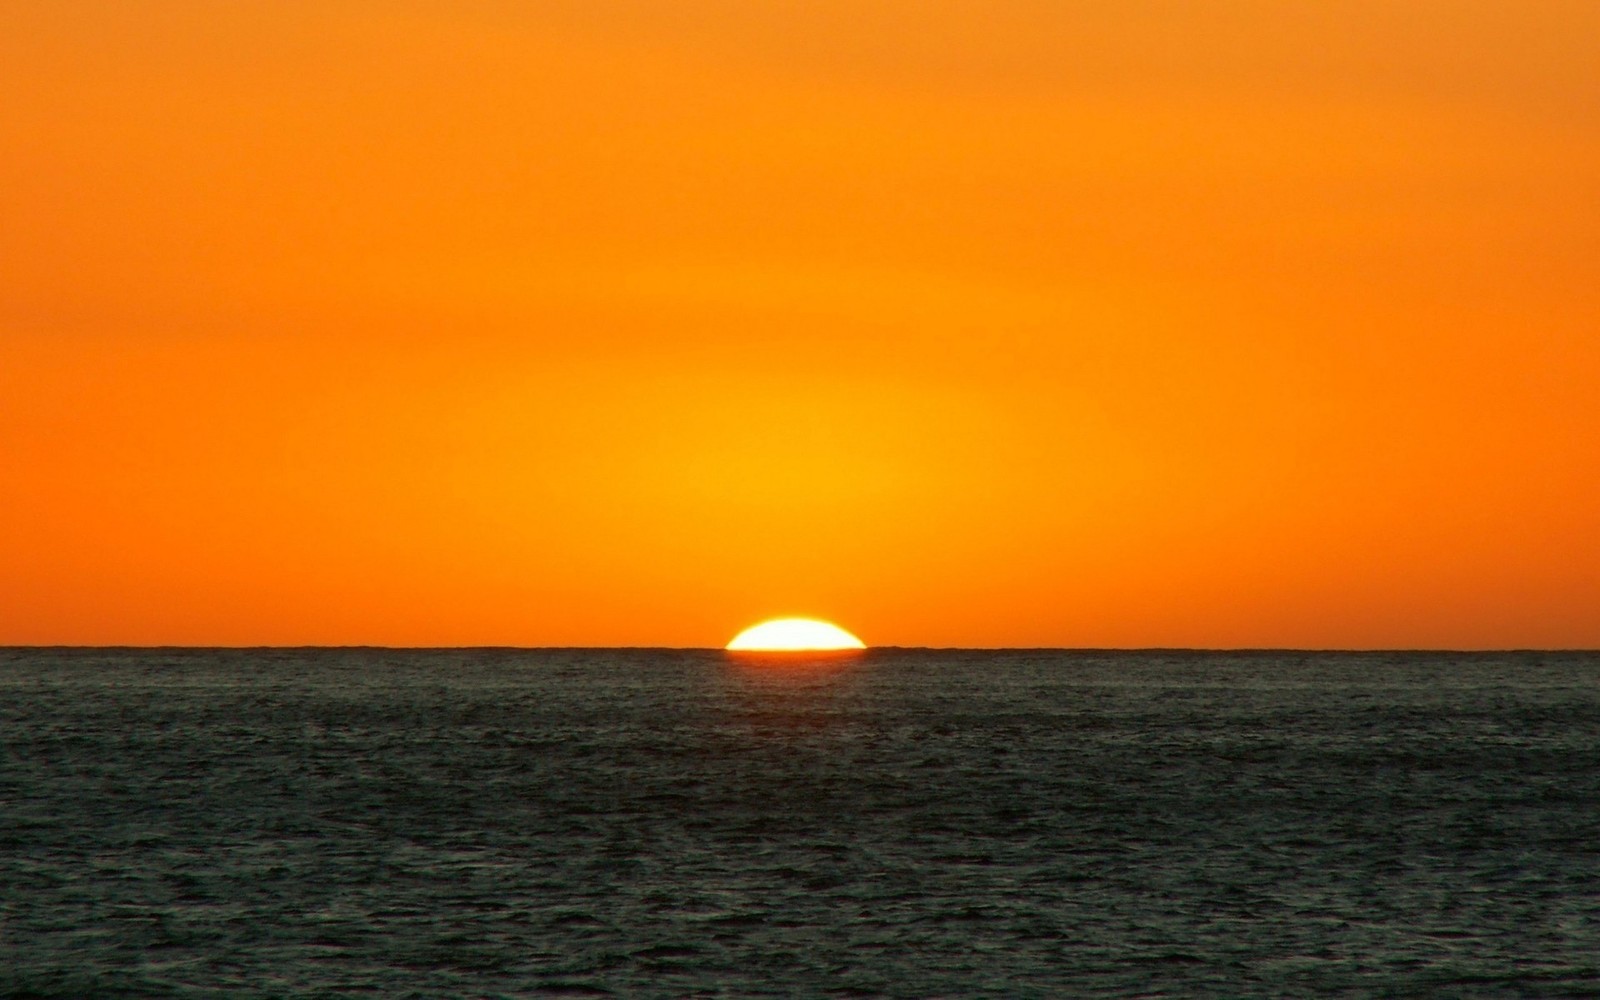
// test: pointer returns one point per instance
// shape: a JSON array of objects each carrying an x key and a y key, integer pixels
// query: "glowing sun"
[{"x": 794, "y": 635}]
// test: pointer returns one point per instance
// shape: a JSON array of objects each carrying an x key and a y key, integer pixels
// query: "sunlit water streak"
[{"x": 902, "y": 823}]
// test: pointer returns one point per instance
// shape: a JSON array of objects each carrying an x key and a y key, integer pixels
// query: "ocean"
[{"x": 905, "y": 823}]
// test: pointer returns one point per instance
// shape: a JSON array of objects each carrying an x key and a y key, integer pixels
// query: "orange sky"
[{"x": 1013, "y": 322}]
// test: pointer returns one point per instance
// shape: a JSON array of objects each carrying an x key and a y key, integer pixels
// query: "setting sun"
[{"x": 794, "y": 634}]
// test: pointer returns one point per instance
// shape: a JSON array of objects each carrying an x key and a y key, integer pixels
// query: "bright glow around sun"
[{"x": 793, "y": 635}]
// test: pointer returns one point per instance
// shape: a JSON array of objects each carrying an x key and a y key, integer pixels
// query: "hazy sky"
[{"x": 971, "y": 323}]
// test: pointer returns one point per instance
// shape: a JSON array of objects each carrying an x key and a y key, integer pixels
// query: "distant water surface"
[{"x": 298, "y": 823}]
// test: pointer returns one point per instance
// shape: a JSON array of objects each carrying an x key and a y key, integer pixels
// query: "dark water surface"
[{"x": 667, "y": 823}]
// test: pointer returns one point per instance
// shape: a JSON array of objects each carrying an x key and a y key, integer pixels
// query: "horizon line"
[{"x": 244, "y": 647}]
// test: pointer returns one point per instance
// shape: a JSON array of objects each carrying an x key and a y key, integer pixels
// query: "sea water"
[{"x": 502, "y": 823}]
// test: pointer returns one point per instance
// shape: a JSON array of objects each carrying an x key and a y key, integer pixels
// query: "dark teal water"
[{"x": 913, "y": 824}]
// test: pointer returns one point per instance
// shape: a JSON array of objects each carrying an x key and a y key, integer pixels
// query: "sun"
[{"x": 794, "y": 635}]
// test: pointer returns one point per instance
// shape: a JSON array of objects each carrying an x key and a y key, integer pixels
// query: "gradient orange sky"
[{"x": 1014, "y": 322}]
